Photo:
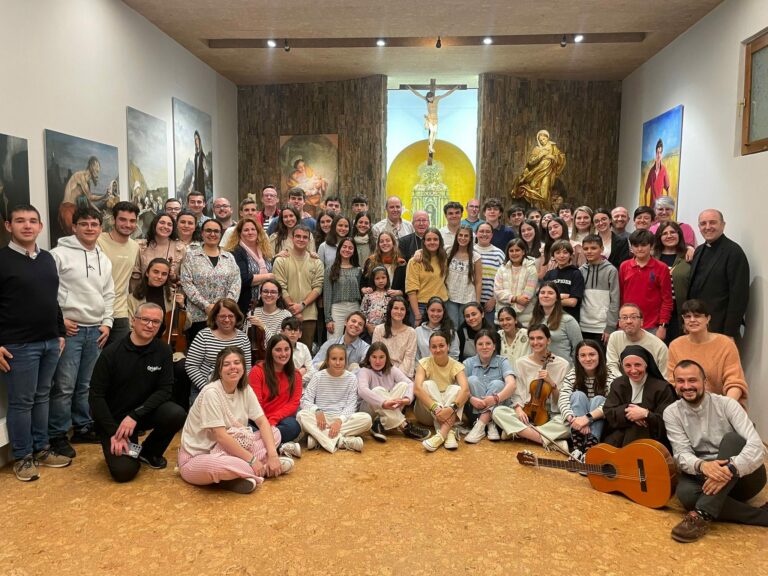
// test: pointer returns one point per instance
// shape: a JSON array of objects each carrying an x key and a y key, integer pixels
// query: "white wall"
[
  {"x": 74, "y": 66},
  {"x": 703, "y": 70}
]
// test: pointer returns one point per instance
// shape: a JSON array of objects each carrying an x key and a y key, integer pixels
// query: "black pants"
[
  {"x": 597, "y": 337},
  {"x": 728, "y": 505},
  {"x": 164, "y": 423},
  {"x": 182, "y": 385},
  {"x": 121, "y": 327}
]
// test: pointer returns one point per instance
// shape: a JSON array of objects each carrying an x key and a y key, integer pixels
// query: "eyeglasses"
[
  {"x": 225, "y": 317},
  {"x": 222, "y": 206},
  {"x": 213, "y": 231},
  {"x": 148, "y": 321},
  {"x": 269, "y": 292},
  {"x": 88, "y": 224},
  {"x": 632, "y": 317}
]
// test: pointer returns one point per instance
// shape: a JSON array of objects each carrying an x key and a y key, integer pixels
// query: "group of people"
[{"x": 561, "y": 329}]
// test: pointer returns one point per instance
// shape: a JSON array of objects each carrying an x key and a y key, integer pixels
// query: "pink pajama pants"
[{"x": 218, "y": 465}]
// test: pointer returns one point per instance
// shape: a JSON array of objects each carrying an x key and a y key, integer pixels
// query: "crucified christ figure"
[{"x": 430, "y": 118}]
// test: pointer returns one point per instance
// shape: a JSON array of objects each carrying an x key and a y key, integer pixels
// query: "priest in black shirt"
[{"x": 131, "y": 391}]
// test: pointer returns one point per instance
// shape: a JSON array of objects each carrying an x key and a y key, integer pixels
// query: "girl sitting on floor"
[
  {"x": 217, "y": 447},
  {"x": 328, "y": 412}
]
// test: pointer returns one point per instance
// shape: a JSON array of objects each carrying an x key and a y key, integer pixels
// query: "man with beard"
[{"x": 719, "y": 454}]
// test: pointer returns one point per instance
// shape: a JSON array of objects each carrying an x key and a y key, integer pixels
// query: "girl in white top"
[
  {"x": 328, "y": 412},
  {"x": 515, "y": 283},
  {"x": 269, "y": 310},
  {"x": 217, "y": 446},
  {"x": 399, "y": 338},
  {"x": 513, "y": 337},
  {"x": 465, "y": 274}
]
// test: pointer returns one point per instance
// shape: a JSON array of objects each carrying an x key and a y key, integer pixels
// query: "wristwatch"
[
  {"x": 733, "y": 469},
  {"x": 590, "y": 418}
]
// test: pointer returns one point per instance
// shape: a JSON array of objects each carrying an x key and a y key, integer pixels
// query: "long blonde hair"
[{"x": 262, "y": 239}]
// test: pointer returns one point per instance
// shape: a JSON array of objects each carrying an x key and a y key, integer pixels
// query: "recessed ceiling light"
[
  {"x": 381, "y": 43},
  {"x": 578, "y": 38},
  {"x": 271, "y": 43},
  {"x": 487, "y": 40}
]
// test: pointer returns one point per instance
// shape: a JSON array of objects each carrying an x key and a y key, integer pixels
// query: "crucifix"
[{"x": 430, "y": 118}]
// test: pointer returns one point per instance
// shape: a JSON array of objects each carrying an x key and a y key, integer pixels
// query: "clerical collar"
[
  {"x": 717, "y": 242},
  {"x": 23, "y": 251}
]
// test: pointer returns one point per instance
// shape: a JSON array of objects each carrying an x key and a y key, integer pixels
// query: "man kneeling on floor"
[
  {"x": 719, "y": 454},
  {"x": 131, "y": 391}
]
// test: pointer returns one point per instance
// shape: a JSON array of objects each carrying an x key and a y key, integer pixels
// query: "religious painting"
[
  {"x": 14, "y": 179},
  {"x": 147, "y": 166},
  {"x": 660, "y": 166},
  {"x": 309, "y": 162},
  {"x": 193, "y": 153},
  {"x": 80, "y": 173}
]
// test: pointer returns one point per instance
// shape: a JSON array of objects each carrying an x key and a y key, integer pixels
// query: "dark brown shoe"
[{"x": 692, "y": 527}]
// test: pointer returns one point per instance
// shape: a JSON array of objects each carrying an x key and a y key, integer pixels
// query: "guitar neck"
[{"x": 569, "y": 465}]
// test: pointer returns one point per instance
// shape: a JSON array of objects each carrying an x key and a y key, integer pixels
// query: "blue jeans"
[
  {"x": 289, "y": 429},
  {"x": 580, "y": 405},
  {"x": 72, "y": 382},
  {"x": 29, "y": 388},
  {"x": 454, "y": 313}
]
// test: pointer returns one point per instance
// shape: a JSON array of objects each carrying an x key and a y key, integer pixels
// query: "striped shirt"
[
  {"x": 566, "y": 389},
  {"x": 201, "y": 357},
  {"x": 334, "y": 395},
  {"x": 493, "y": 259},
  {"x": 271, "y": 322}
]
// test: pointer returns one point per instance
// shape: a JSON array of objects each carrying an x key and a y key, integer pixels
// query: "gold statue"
[{"x": 545, "y": 163}]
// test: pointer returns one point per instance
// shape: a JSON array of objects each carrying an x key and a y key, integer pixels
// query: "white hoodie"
[{"x": 86, "y": 290}]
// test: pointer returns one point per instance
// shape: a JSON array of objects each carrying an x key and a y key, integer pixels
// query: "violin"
[
  {"x": 536, "y": 407},
  {"x": 175, "y": 320}
]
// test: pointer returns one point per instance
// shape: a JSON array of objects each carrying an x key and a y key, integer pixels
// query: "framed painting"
[
  {"x": 660, "y": 163},
  {"x": 80, "y": 173},
  {"x": 147, "y": 165},
  {"x": 309, "y": 162},
  {"x": 14, "y": 179},
  {"x": 193, "y": 153}
]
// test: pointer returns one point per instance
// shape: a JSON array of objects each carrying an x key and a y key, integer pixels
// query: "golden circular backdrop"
[{"x": 458, "y": 173}]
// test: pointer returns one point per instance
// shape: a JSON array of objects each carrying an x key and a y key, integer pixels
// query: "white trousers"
[
  {"x": 354, "y": 425},
  {"x": 423, "y": 414},
  {"x": 389, "y": 418},
  {"x": 507, "y": 420}
]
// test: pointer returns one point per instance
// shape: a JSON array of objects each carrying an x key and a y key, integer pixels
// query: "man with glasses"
[
  {"x": 31, "y": 339},
  {"x": 86, "y": 297},
  {"x": 473, "y": 219},
  {"x": 270, "y": 201},
  {"x": 631, "y": 332},
  {"x": 131, "y": 391},
  {"x": 411, "y": 242},
  {"x": 222, "y": 211},
  {"x": 172, "y": 207}
]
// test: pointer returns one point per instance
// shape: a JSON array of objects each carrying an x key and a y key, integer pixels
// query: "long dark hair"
[
  {"x": 151, "y": 233},
  {"x": 553, "y": 322},
  {"x": 280, "y": 303},
  {"x": 483, "y": 322},
  {"x": 535, "y": 248},
  {"x": 440, "y": 256},
  {"x": 270, "y": 375},
  {"x": 196, "y": 235},
  {"x": 318, "y": 233},
  {"x": 140, "y": 291},
  {"x": 446, "y": 325},
  {"x": 600, "y": 385},
  {"x": 470, "y": 251},
  {"x": 548, "y": 240},
  {"x": 335, "y": 272},
  {"x": 332, "y": 238},
  {"x": 658, "y": 245},
  {"x": 376, "y": 346},
  {"x": 223, "y": 353},
  {"x": 353, "y": 232},
  {"x": 388, "y": 315},
  {"x": 282, "y": 230},
  {"x": 520, "y": 243}
]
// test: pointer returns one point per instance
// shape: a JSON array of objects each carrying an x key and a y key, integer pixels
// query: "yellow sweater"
[{"x": 427, "y": 284}]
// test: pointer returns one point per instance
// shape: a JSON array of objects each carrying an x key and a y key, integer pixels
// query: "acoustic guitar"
[{"x": 643, "y": 471}]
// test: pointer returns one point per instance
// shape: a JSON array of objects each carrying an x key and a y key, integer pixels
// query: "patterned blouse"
[{"x": 205, "y": 283}]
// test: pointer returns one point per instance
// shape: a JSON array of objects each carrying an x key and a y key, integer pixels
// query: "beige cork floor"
[{"x": 391, "y": 510}]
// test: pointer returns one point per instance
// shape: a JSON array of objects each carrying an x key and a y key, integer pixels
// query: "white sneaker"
[
  {"x": 493, "y": 432},
  {"x": 433, "y": 442},
  {"x": 354, "y": 443},
  {"x": 290, "y": 449},
  {"x": 286, "y": 464},
  {"x": 451, "y": 443},
  {"x": 475, "y": 435},
  {"x": 311, "y": 442}
]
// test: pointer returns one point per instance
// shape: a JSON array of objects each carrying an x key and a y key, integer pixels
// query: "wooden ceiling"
[{"x": 195, "y": 23}]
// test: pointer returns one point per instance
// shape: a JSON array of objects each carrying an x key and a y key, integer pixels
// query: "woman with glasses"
[
  {"x": 615, "y": 248},
  {"x": 716, "y": 353},
  {"x": 208, "y": 274},
  {"x": 269, "y": 309},
  {"x": 664, "y": 210},
  {"x": 222, "y": 331}
]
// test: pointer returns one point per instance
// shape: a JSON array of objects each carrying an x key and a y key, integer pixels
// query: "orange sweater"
[{"x": 720, "y": 359}]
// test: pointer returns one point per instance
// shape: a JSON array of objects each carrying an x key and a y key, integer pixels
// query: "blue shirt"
[
  {"x": 501, "y": 237},
  {"x": 498, "y": 368}
]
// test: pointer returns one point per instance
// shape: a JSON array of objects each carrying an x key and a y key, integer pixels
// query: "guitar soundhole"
[{"x": 608, "y": 470}]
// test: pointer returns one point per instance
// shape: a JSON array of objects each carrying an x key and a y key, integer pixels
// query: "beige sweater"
[
  {"x": 720, "y": 359},
  {"x": 298, "y": 277}
]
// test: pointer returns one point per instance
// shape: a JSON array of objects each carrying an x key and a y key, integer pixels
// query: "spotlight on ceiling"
[
  {"x": 286, "y": 46},
  {"x": 487, "y": 40},
  {"x": 439, "y": 43},
  {"x": 564, "y": 41},
  {"x": 271, "y": 43},
  {"x": 381, "y": 43},
  {"x": 578, "y": 38}
]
